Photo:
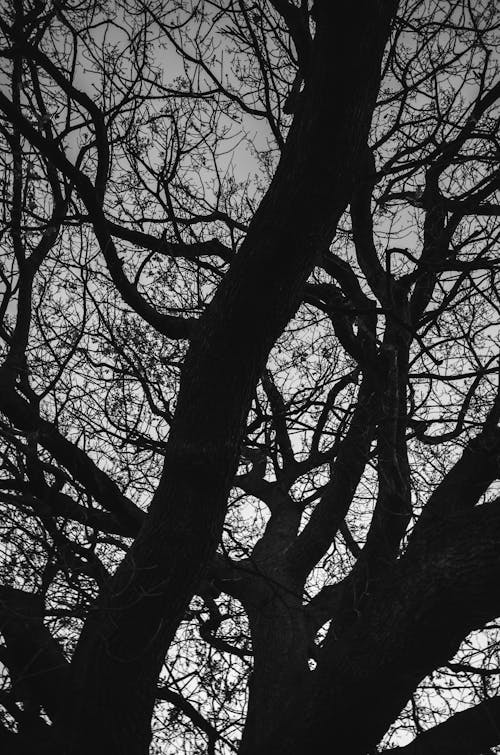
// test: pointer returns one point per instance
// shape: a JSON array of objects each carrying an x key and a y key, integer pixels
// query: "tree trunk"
[
  {"x": 443, "y": 588},
  {"x": 123, "y": 644},
  {"x": 280, "y": 644}
]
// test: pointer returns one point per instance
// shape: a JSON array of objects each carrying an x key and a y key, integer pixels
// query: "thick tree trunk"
[{"x": 124, "y": 642}]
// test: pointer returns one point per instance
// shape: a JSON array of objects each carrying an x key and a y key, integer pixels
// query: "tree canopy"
[{"x": 249, "y": 381}]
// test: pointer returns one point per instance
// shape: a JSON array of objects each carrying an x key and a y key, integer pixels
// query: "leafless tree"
[{"x": 249, "y": 384}]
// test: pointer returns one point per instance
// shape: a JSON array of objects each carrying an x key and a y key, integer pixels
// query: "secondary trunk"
[{"x": 443, "y": 588}]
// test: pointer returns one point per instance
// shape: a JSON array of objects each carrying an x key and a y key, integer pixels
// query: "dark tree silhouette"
[{"x": 249, "y": 382}]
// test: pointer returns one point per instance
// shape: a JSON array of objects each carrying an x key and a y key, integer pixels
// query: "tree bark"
[
  {"x": 470, "y": 732},
  {"x": 123, "y": 644},
  {"x": 280, "y": 644},
  {"x": 442, "y": 589}
]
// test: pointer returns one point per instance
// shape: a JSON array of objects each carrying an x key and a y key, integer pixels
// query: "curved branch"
[
  {"x": 168, "y": 325},
  {"x": 105, "y": 491},
  {"x": 470, "y": 732}
]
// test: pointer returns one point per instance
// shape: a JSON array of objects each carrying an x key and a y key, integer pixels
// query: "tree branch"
[
  {"x": 331, "y": 510},
  {"x": 470, "y": 732},
  {"x": 168, "y": 325},
  {"x": 37, "y": 665},
  {"x": 104, "y": 490},
  {"x": 193, "y": 251}
]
